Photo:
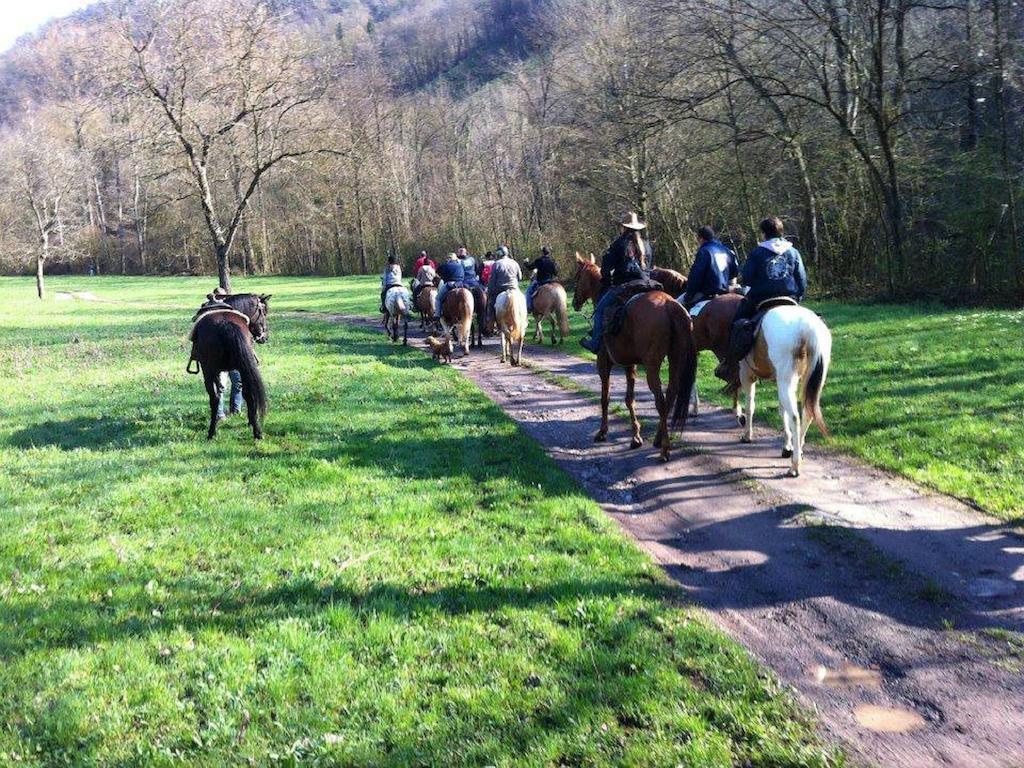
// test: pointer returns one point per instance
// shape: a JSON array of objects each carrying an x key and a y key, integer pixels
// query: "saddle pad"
[
  {"x": 696, "y": 308},
  {"x": 214, "y": 311}
]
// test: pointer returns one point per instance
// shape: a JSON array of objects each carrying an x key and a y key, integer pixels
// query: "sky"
[{"x": 20, "y": 16}]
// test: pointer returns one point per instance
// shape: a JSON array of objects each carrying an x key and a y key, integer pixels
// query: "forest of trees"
[{"x": 318, "y": 136}]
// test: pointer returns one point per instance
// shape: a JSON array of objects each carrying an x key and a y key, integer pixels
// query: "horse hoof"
[
  {"x": 210, "y": 435},
  {"x": 665, "y": 456},
  {"x": 787, "y": 453},
  {"x": 636, "y": 442},
  {"x": 745, "y": 439},
  {"x": 600, "y": 437},
  {"x": 793, "y": 473},
  {"x": 742, "y": 419},
  {"x": 257, "y": 436}
]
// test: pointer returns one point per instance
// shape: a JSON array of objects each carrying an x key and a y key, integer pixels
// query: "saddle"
[
  {"x": 214, "y": 309},
  {"x": 744, "y": 333},
  {"x": 615, "y": 315}
]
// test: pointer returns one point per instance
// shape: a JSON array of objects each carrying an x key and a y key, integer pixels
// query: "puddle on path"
[{"x": 888, "y": 719}]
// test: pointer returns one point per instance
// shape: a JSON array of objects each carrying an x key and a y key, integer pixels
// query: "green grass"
[{"x": 395, "y": 576}]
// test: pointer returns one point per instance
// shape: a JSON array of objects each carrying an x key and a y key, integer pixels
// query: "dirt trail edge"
[{"x": 894, "y": 612}]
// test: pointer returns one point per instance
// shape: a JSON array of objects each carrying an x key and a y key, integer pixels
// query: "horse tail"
[
  {"x": 819, "y": 346},
  {"x": 249, "y": 370},
  {"x": 682, "y": 364},
  {"x": 562, "y": 310}
]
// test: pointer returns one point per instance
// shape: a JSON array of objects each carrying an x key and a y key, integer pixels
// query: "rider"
[
  {"x": 506, "y": 274},
  {"x": 713, "y": 269},
  {"x": 424, "y": 276},
  {"x": 774, "y": 269},
  {"x": 391, "y": 277},
  {"x": 546, "y": 271},
  {"x": 423, "y": 259},
  {"x": 485, "y": 267},
  {"x": 626, "y": 259},
  {"x": 471, "y": 279},
  {"x": 453, "y": 274}
]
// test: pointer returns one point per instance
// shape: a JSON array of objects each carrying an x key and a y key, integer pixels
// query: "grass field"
[
  {"x": 395, "y": 576},
  {"x": 933, "y": 393}
]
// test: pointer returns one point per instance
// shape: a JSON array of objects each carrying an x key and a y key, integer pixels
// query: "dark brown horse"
[
  {"x": 476, "y": 332},
  {"x": 457, "y": 316},
  {"x": 222, "y": 340},
  {"x": 656, "y": 327}
]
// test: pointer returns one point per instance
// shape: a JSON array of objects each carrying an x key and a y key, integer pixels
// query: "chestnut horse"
[
  {"x": 711, "y": 330},
  {"x": 673, "y": 282},
  {"x": 551, "y": 304},
  {"x": 425, "y": 305},
  {"x": 457, "y": 316},
  {"x": 656, "y": 327}
]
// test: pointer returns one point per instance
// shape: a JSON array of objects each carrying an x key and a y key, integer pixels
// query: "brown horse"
[
  {"x": 711, "y": 330},
  {"x": 425, "y": 305},
  {"x": 550, "y": 303},
  {"x": 673, "y": 282},
  {"x": 656, "y": 327},
  {"x": 457, "y": 316},
  {"x": 476, "y": 331}
]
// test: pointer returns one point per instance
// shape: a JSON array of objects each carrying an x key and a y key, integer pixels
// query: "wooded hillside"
[{"x": 317, "y": 136}]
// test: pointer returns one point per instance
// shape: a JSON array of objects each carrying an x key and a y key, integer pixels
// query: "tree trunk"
[
  {"x": 223, "y": 270},
  {"x": 44, "y": 247}
]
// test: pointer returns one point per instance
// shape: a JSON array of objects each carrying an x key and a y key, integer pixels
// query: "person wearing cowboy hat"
[{"x": 629, "y": 257}]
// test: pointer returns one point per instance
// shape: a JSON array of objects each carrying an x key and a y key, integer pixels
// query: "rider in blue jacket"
[
  {"x": 774, "y": 269},
  {"x": 452, "y": 275},
  {"x": 714, "y": 267}
]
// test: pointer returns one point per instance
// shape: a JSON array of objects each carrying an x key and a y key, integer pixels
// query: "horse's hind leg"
[
  {"x": 604, "y": 369},
  {"x": 748, "y": 386},
  {"x": 790, "y": 408},
  {"x": 637, "y": 440},
  {"x": 254, "y": 416},
  {"x": 661, "y": 439},
  {"x": 214, "y": 390}
]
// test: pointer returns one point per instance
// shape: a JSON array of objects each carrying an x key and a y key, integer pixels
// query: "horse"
[
  {"x": 793, "y": 347},
  {"x": 549, "y": 303},
  {"x": 397, "y": 306},
  {"x": 476, "y": 333},
  {"x": 712, "y": 327},
  {"x": 457, "y": 316},
  {"x": 425, "y": 305},
  {"x": 222, "y": 340},
  {"x": 656, "y": 327},
  {"x": 510, "y": 312},
  {"x": 673, "y": 282}
]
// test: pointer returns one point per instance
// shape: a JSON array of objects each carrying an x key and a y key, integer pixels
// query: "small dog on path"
[{"x": 441, "y": 348}]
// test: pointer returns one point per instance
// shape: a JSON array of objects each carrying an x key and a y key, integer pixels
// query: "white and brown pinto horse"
[
  {"x": 793, "y": 347},
  {"x": 510, "y": 313}
]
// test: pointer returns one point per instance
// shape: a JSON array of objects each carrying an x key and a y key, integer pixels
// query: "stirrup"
[{"x": 188, "y": 368}]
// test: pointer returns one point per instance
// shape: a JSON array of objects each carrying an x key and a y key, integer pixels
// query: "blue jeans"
[
  {"x": 531, "y": 291},
  {"x": 236, "y": 394},
  {"x": 596, "y": 332}
]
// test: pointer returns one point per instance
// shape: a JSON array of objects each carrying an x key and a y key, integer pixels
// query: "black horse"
[{"x": 222, "y": 340}]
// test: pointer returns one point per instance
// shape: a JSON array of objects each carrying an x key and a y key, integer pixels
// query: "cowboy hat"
[{"x": 631, "y": 221}]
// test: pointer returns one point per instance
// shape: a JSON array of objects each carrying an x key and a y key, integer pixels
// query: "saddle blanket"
[{"x": 696, "y": 308}]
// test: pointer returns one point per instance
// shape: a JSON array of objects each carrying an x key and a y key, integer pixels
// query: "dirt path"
[{"x": 893, "y": 611}]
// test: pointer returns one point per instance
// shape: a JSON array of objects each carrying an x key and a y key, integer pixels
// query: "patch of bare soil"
[{"x": 894, "y": 612}]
